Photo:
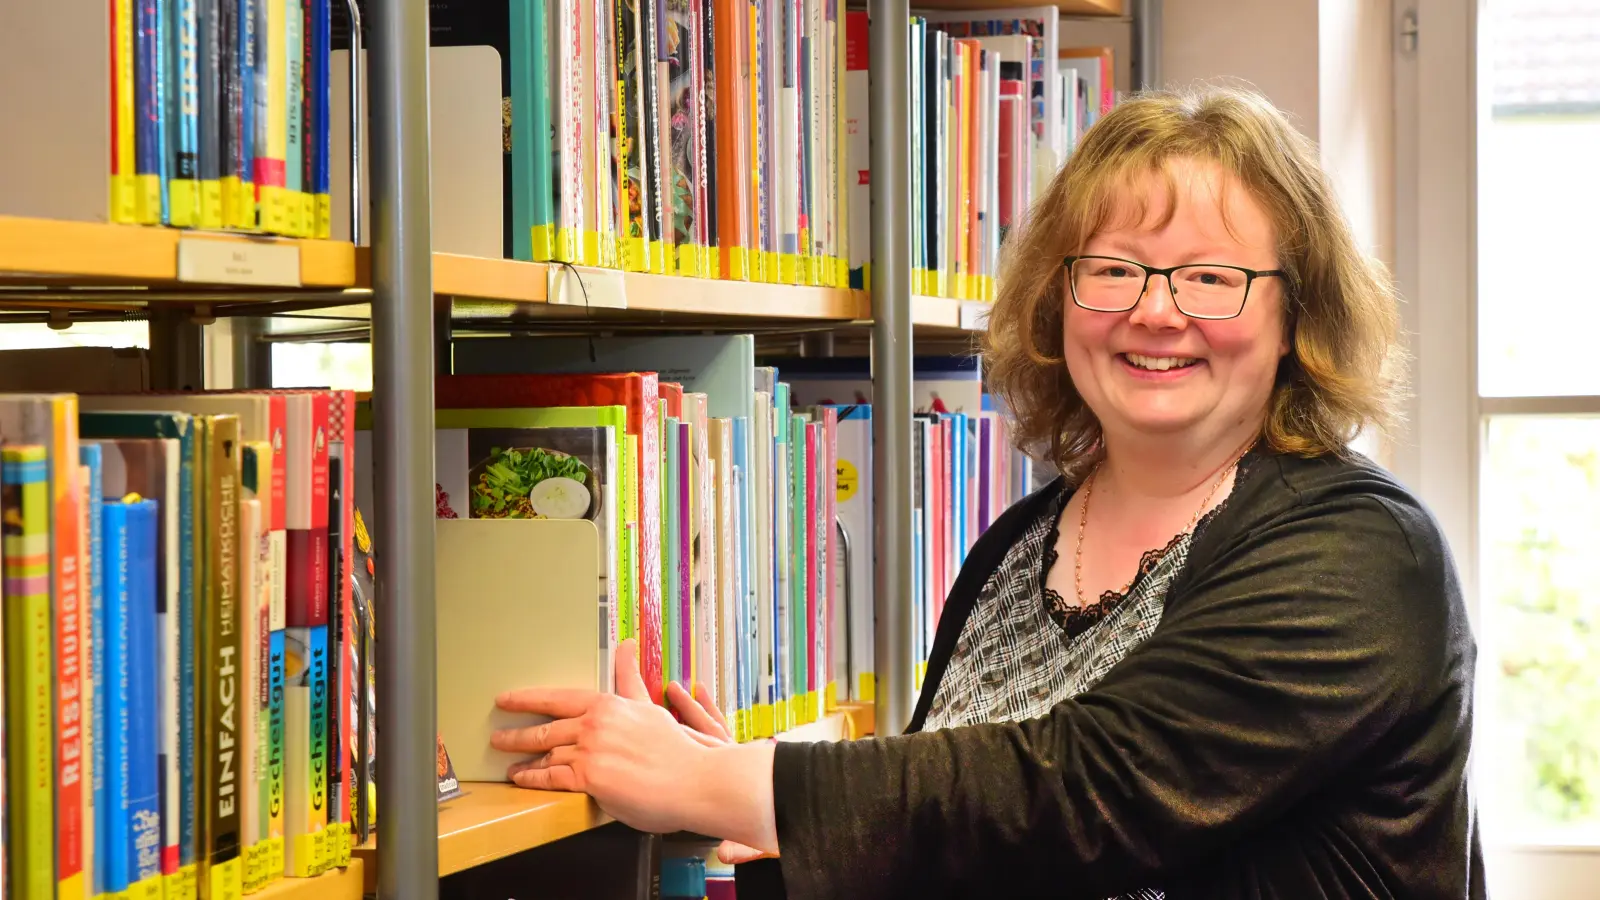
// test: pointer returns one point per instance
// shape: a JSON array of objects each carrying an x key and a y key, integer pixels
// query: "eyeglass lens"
[{"x": 1112, "y": 285}]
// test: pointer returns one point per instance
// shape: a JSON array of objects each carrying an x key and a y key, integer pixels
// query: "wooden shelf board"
[
  {"x": 495, "y": 820},
  {"x": 706, "y": 296},
  {"x": 340, "y": 884},
  {"x": 50, "y": 253},
  {"x": 1067, "y": 7}
]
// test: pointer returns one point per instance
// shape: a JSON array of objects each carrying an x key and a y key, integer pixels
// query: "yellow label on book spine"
[
  {"x": 339, "y": 844},
  {"x": 324, "y": 229},
  {"x": 544, "y": 243},
  {"x": 688, "y": 260},
  {"x": 255, "y": 866},
  {"x": 738, "y": 264},
  {"x": 922, "y": 672},
  {"x": 183, "y": 884},
  {"x": 788, "y": 268},
  {"x": 274, "y": 853},
  {"x": 713, "y": 263},
  {"x": 567, "y": 245},
  {"x": 866, "y": 687},
  {"x": 148, "y": 889},
  {"x": 227, "y": 880},
  {"x": 658, "y": 257},
  {"x": 309, "y": 854},
  {"x": 781, "y": 721},
  {"x": 635, "y": 253},
  {"x": 183, "y": 199},
  {"x": 230, "y": 200},
  {"x": 740, "y": 723},
  {"x": 830, "y": 697},
  {"x": 762, "y": 724},
  {"x": 590, "y": 245},
  {"x": 70, "y": 888},
  {"x": 211, "y": 204},
  {"x": 147, "y": 192}
]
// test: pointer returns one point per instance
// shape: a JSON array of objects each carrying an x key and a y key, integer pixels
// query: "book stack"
[
  {"x": 965, "y": 473},
  {"x": 734, "y": 506},
  {"x": 996, "y": 108},
  {"x": 220, "y": 114},
  {"x": 179, "y": 615}
]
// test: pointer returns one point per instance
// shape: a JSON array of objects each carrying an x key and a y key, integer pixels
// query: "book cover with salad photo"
[{"x": 555, "y": 472}]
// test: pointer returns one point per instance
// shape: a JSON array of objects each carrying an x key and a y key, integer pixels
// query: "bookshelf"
[
  {"x": 391, "y": 291},
  {"x": 53, "y": 254},
  {"x": 1067, "y": 7},
  {"x": 493, "y": 821}
]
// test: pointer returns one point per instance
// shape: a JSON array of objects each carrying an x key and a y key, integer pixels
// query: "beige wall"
[
  {"x": 1269, "y": 44},
  {"x": 1327, "y": 63}
]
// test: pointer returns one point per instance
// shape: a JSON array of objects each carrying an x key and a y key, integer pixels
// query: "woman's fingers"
[
  {"x": 557, "y": 703},
  {"x": 704, "y": 740},
  {"x": 625, "y": 672},
  {"x": 733, "y": 854},
  {"x": 537, "y": 738},
  {"x": 566, "y": 755},
  {"x": 703, "y": 694},
  {"x": 695, "y": 715},
  {"x": 555, "y": 778}
]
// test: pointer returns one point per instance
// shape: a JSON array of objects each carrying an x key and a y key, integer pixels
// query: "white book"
[{"x": 765, "y": 661}]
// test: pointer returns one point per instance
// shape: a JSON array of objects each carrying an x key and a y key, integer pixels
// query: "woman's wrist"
[{"x": 733, "y": 795}]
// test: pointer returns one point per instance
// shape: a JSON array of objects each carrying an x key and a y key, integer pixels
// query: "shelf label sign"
[
  {"x": 567, "y": 285},
  {"x": 257, "y": 263}
]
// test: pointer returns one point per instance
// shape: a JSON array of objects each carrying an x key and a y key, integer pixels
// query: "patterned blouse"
[{"x": 1024, "y": 648}]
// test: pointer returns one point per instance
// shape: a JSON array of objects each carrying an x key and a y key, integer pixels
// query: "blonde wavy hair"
[{"x": 1343, "y": 371}]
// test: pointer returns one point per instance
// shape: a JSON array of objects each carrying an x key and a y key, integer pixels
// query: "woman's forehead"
[{"x": 1183, "y": 193}]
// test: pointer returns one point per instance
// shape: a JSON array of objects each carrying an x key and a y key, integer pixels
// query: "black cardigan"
[{"x": 1297, "y": 727}]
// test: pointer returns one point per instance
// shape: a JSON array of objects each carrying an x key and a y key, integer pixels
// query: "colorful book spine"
[
  {"x": 221, "y": 867},
  {"x": 211, "y": 112},
  {"x": 306, "y": 637},
  {"x": 322, "y": 199},
  {"x": 124, "y": 145},
  {"x": 30, "y": 772},
  {"x": 255, "y": 580},
  {"x": 147, "y": 111},
  {"x": 144, "y": 700},
  {"x": 115, "y": 832},
  {"x": 271, "y": 156},
  {"x": 165, "y": 131},
  {"x": 184, "y": 188},
  {"x": 294, "y": 172},
  {"x": 95, "y": 636}
]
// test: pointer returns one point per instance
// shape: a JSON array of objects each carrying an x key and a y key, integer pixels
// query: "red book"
[
  {"x": 638, "y": 393},
  {"x": 813, "y": 590}
]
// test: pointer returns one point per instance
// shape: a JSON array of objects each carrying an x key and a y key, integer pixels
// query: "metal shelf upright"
[{"x": 403, "y": 466}]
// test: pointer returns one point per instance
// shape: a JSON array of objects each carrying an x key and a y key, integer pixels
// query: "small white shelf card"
[{"x": 203, "y": 260}]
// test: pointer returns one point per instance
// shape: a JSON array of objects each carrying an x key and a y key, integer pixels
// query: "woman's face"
[{"x": 1154, "y": 370}]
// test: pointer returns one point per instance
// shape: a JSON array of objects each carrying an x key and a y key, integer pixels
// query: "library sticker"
[{"x": 848, "y": 480}]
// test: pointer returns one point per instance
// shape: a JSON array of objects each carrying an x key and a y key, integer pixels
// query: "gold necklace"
[{"x": 1083, "y": 520}]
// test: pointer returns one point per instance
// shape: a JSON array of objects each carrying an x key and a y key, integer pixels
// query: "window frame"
[{"x": 1438, "y": 449}]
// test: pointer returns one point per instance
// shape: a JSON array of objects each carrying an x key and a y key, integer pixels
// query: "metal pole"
[
  {"x": 1146, "y": 44},
  {"x": 177, "y": 350},
  {"x": 252, "y": 357},
  {"x": 889, "y": 65},
  {"x": 402, "y": 353}
]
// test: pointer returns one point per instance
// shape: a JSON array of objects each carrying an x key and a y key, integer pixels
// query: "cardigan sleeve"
[{"x": 1292, "y": 653}]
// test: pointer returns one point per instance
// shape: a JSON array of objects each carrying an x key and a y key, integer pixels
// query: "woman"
[{"x": 1222, "y": 656}]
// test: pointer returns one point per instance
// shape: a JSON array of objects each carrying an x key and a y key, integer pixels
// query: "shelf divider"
[
  {"x": 891, "y": 361},
  {"x": 403, "y": 467}
]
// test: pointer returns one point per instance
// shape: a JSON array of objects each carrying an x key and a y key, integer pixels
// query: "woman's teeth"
[{"x": 1159, "y": 363}]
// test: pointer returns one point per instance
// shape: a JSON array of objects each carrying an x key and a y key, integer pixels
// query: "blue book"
[
  {"x": 143, "y": 659},
  {"x": 321, "y": 143},
  {"x": 166, "y": 87},
  {"x": 147, "y": 113},
  {"x": 89, "y": 455},
  {"x": 113, "y": 821},
  {"x": 245, "y": 145},
  {"x": 180, "y": 667}
]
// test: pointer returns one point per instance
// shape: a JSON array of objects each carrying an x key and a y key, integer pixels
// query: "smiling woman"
[{"x": 1253, "y": 677}]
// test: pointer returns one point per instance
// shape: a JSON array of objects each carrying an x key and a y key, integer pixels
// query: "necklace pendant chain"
[{"x": 1194, "y": 520}]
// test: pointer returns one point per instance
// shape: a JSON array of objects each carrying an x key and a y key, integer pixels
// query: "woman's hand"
[
  {"x": 642, "y": 767},
  {"x": 700, "y": 712}
]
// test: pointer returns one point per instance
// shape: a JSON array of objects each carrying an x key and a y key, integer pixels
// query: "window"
[
  {"x": 30, "y": 336},
  {"x": 342, "y": 366},
  {"x": 1538, "y": 318}
]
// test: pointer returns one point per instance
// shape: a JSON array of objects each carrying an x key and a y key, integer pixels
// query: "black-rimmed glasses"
[{"x": 1199, "y": 291}]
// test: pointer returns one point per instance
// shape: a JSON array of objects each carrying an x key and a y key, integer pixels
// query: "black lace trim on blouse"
[{"x": 1074, "y": 619}]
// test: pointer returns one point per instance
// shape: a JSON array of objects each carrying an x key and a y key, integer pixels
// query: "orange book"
[{"x": 733, "y": 163}]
